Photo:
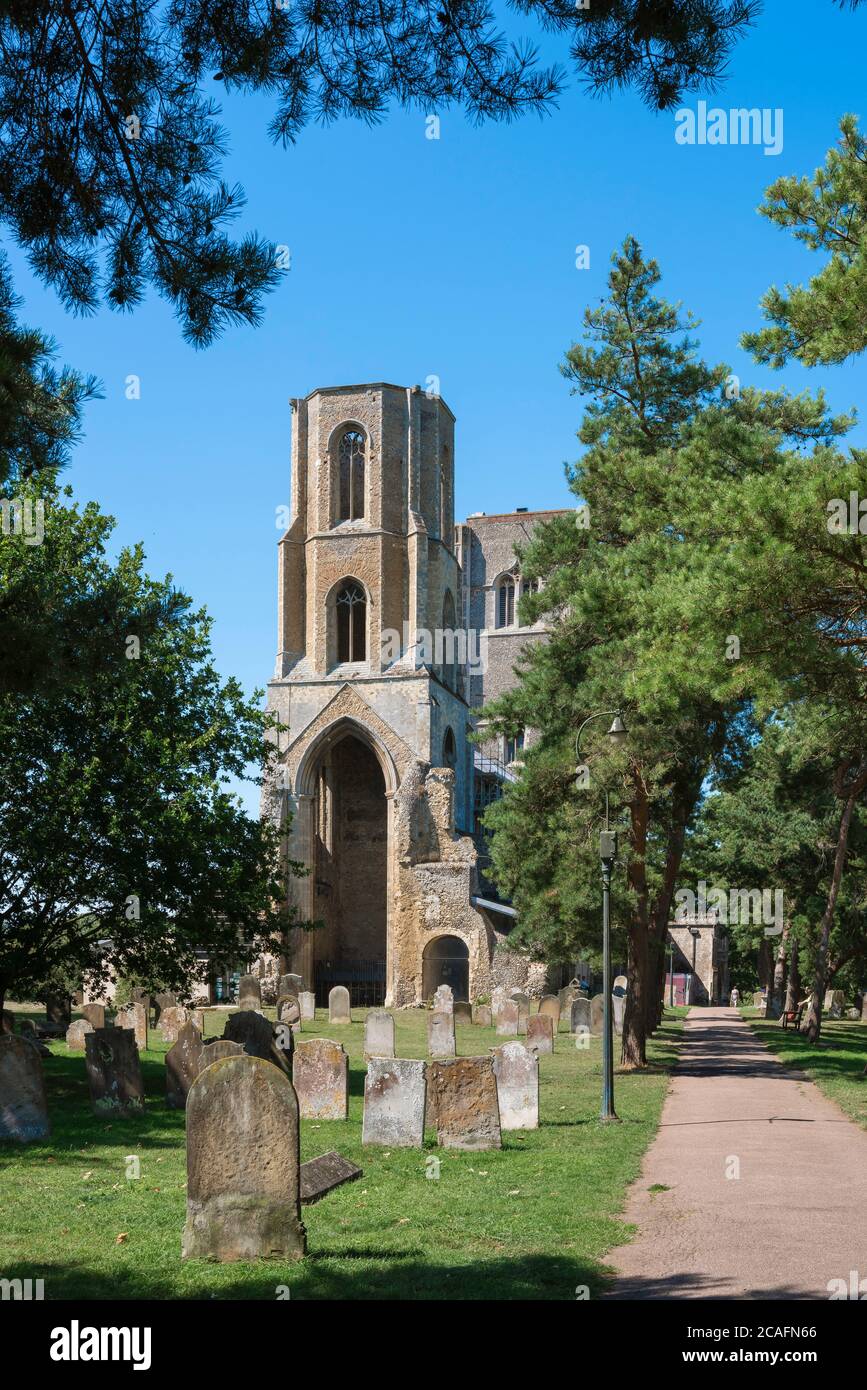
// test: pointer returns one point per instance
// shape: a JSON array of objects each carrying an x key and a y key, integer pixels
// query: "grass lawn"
[
  {"x": 533, "y": 1220},
  {"x": 836, "y": 1065}
]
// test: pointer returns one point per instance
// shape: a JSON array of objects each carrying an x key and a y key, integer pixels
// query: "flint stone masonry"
[
  {"x": 465, "y": 1103},
  {"x": 95, "y": 1015},
  {"x": 441, "y": 1034},
  {"x": 597, "y": 1015},
  {"x": 508, "y": 1018},
  {"x": 338, "y": 1005},
  {"x": 76, "y": 1033},
  {"x": 516, "y": 1069},
  {"x": 320, "y": 1074},
  {"x": 23, "y": 1107},
  {"x": 134, "y": 1017},
  {"x": 394, "y": 1102},
  {"x": 463, "y": 1012},
  {"x": 443, "y": 1000},
  {"x": 253, "y": 1031},
  {"x": 549, "y": 1007},
  {"x": 307, "y": 1005},
  {"x": 183, "y": 1064},
  {"x": 172, "y": 1019},
  {"x": 379, "y": 1034},
  {"x": 249, "y": 993},
  {"x": 243, "y": 1164},
  {"x": 482, "y": 1015},
  {"x": 540, "y": 1034},
  {"x": 114, "y": 1072},
  {"x": 580, "y": 1015}
]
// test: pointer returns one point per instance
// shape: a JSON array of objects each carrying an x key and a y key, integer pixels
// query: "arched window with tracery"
[
  {"x": 350, "y": 467},
  {"x": 351, "y": 609},
  {"x": 506, "y": 602}
]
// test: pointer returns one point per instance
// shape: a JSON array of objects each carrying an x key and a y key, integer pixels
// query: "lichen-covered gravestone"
[
  {"x": 465, "y": 1108},
  {"x": 463, "y": 1012},
  {"x": 183, "y": 1064},
  {"x": 243, "y": 1164},
  {"x": 580, "y": 1015},
  {"x": 76, "y": 1033},
  {"x": 597, "y": 1014},
  {"x": 172, "y": 1019},
  {"x": 114, "y": 1072},
  {"x": 441, "y": 1034},
  {"x": 516, "y": 1069},
  {"x": 320, "y": 1074},
  {"x": 95, "y": 1015},
  {"x": 443, "y": 1000},
  {"x": 482, "y": 1015},
  {"x": 549, "y": 1007},
  {"x": 290, "y": 984},
  {"x": 338, "y": 1005},
  {"x": 216, "y": 1051},
  {"x": 23, "y": 1109},
  {"x": 249, "y": 992},
  {"x": 507, "y": 1019},
  {"x": 135, "y": 1017},
  {"x": 307, "y": 1004},
  {"x": 253, "y": 1031},
  {"x": 394, "y": 1103},
  {"x": 540, "y": 1034},
  {"x": 379, "y": 1034}
]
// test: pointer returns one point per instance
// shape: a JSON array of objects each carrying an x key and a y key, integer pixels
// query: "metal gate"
[{"x": 365, "y": 980}]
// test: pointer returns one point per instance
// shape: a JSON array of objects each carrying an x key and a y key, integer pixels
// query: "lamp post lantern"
[{"x": 607, "y": 854}]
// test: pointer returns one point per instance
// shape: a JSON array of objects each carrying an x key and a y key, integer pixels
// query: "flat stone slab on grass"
[
  {"x": 394, "y": 1102},
  {"x": 516, "y": 1069},
  {"x": 320, "y": 1074},
  {"x": 114, "y": 1072},
  {"x": 23, "y": 1107},
  {"x": 243, "y": 1164},
  {"x": 465, "y": 1107},
  {"x": 321, "y": 1175}
]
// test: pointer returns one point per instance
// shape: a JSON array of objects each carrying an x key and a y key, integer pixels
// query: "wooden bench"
[{"x": 793, "y": 1016}]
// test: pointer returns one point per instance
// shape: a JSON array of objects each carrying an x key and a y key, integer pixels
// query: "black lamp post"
[{"x": 607, "y": 854}]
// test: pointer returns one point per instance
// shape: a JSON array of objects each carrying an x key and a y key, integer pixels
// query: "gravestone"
[
  {"x": 441, "y": 1034},
  {"x": 580, "y": 1015},
  {"x": 172, "y": 1019},
  {"x": 307, "y": 1004},
  {"x": 134, "y": 1017},
  {"x": 249, "y": 993},
  {"x": 618, "y": 1008},
  {"x": 58, "y": 1010},
  {"x": 549, "y": 1007},
  {"x": 597, "y": 1015},
  {"x": 216, "y": 1051},
  {"x": 540, "y": 1034},
  {"x": 498, "y": 998},
  {"x": 621, "y": 984},
  {"x": 7, "y": 1022},
  {"x": 465, "y": 1103},
  {"x": 394, "y": 1103},
  {"x": 516, "y": 1069},
  {"x": 443, "y": 1000},
  {"x": 183, "y": 1064},
  {"x": 321, "y": 1175},
  {"x": 320, "y": 1075},
  {"x": 338, "y": 1005},
  {"x": 565, "y": 996},
  {"x": 197, "y": 1018},
  {"x": 95, "y": 1015},
  {"x": 114, "y": 1072},
  {"x": 379, "y": 1034},
  {"x": 463, "y": 1012},
  {"x": 23, "y": 1108},
  {"x": 290, "y": 984},
  {"x": 482, "y": 1015},
  {"x": 243, "y": 1164},
  {"x": 76, "y": 1033},
  {"x": 289, "y": 1010},
  {"x": 162, "y": 1001},
  {"x": 507, "y": 1019},
  {"x": 253, "y": 1031}
]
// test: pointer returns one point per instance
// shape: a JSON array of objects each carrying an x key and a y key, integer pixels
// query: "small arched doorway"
[{"x": 446, "y": 961}]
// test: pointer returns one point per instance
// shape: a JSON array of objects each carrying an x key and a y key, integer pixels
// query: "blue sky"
[{"x": 456, "y": 258}]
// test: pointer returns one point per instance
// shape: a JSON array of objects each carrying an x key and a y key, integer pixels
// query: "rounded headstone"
[{"x": 23, "y": 1107}]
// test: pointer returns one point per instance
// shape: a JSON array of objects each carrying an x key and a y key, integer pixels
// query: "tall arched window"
[
  {"x": 450, "y": 642},
  {"x": 506, "y": 602},
  {"x": 450, "y": 751},
  {"x": 350, "y": 460},
  {"x": 351, "y": 607}
]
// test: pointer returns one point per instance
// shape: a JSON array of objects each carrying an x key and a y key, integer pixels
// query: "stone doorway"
[
  {"x": 446, "y": 961},
  {"x": 350, "y": 870}
]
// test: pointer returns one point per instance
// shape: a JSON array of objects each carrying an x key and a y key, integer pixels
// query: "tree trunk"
[
  {"x": 793, "y": 987},
  {"x": 813, "y": 1026},
  {"x": 633, "y": 1050},
  {"x": 775, "y": 993}
]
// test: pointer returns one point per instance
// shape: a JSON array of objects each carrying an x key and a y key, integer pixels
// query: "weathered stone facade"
[{"x": 373, "y": 695}]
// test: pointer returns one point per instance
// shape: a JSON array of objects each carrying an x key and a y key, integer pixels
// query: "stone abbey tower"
[{"x": 376, "y": 767}]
